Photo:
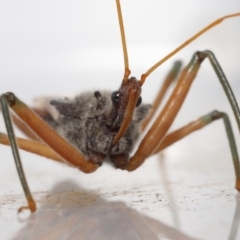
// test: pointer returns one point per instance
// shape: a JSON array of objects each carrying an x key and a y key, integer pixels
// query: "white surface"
[{"x": 63, "y": 48}]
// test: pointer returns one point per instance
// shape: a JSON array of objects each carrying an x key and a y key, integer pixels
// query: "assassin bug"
[{"x": 115, "y": 127}]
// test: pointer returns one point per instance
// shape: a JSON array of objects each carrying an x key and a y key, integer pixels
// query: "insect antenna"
[
  {"x": 124, "y": 45},
  {"x": 159, "y": 63},
  {"x": 130, "y": 88}
]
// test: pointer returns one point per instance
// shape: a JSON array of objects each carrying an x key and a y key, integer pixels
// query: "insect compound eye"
[
  {"x": 139, "y": 101},
  {"x": 115, "y": 97}
]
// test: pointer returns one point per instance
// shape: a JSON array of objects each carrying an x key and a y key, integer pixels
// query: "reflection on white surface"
[
  {"x": 56, "y": 48},
  {"x": 79, "y": 214},
  {"x": 84, "y": 215}
]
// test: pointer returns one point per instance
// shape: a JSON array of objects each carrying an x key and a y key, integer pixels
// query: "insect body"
[
  {"x": 90, "y": 122},
  {"x": 93, "y": 126}
]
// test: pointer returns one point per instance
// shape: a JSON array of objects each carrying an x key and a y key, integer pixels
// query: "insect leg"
[
  {"x": 224, "y": 82},
  {"x": 22, "y": 126},
  {"x": 32, "y": 146},
  {"x": 7, "y": 119},
  {"x": 171, "y": 76},
  {"x": 197, "y": 125},
  {"x": 164, "y": 120}
]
